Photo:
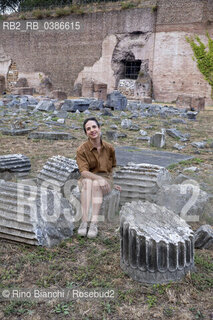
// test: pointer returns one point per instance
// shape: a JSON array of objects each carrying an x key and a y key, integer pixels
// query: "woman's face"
[{"x": 92, "y": 130}]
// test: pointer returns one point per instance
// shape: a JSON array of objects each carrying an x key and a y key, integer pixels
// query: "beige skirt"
[{"x": 108, "y": 179}]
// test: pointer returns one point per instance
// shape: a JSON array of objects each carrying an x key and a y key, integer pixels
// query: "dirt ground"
[{"x": 91, "y": 264}]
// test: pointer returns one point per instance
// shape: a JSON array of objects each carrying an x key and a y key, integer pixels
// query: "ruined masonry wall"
[{"x": 67, "y": 57}]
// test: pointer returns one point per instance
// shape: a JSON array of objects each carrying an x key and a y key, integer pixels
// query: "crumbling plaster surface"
[
  {"x": 5, "y": 62},
  {"x": 174, "y": 70},
  {"x": 101, "y": 71},
  {"x": 138, "y": 45},
  {"x": 33, "y": 78}
]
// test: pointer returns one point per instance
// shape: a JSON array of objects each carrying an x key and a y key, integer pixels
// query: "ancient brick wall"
[
  {"x": 62, "y": 55},
  {"x": 67, "y": 56}
]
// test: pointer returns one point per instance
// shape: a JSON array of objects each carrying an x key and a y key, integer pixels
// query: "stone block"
[
  {"x": 45, "y": 105},
  {"x": 57, "y": 171},
  {"x": 45, "y": 86},
  {"x": 204, "y": 237},
  {"x": 106, "y": 112},
  {"x": 96, "y": 105},
  {"x": 22, "y": 82},
  {"x": 140, "y": 181},
  {"x": 126, "y": 123},
  {"x": 116, "y": 100},
  {"x": 111, "y": 135},
  {"x": 87, "y": 88},
  {"x": 183, "y": 101},
  {"x": 199, "y": 144},
  {"x": 57, "y": 94},
  {"x": 17, "y": 132},
  {"x": 191, "y": 115},
  {"x": 146, "y": 100},
  {"x": 24, "y": 90},
  {"x": 60, "y": 114},
  {"x": 158, "y": 140},
  {"x": 184, "y": 199},
  {"x": 35, "y": 216},
  {"x": 16, "y": 163},
  {"x": 76, "y": 104},
  {"x": 198, "y": 103},
  {"x": 51, "y": 135},
  {"x": 157, "y": 246},
  {"x": 174, "y": 133},
  {"x": 100, "y": 91},
  {"x": 187, "y": 101}
]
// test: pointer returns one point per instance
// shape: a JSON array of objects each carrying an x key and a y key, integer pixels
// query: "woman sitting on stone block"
[{"x": 96, "y": 160}]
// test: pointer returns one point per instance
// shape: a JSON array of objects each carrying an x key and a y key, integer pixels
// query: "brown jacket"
[{"x": 88, "y": 158}]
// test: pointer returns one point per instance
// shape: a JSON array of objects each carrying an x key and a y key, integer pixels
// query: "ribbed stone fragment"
[
  {"x": 157, "y": 246},
  {"x": 58, "y": 171},
  {"x": 17, "y": 163},
  {"x": 33, "y": 215},
  {"x": 140, "y": 181}
]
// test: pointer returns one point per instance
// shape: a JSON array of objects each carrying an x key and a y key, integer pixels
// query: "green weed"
[
  {"x": 63, "y": 308},
  {"x": 17, "y": 308},
  {"x": 161, "y": 288},
  {"x": 168, "y": 312},
  {"x": 151, "y": 301},
  {"x": 55, "y": 118},
  {"x": 197, "y": 313}
]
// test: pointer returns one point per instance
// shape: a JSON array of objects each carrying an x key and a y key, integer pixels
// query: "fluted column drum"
[
  {"x": 57, "y": 171},
  {"x": 157, "y": 246}
]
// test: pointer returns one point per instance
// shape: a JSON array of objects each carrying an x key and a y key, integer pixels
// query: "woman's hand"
[
  {"x": 117, "y": 187},
  {"x": 105, "y": 187}
]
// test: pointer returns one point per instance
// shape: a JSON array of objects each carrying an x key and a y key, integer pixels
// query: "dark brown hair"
[{"x": 90, "y": 119}]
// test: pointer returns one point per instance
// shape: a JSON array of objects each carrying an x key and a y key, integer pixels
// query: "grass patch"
[
  {"x": 61, "y": 12},
  {"x": 38, "y": 14},
  {"x": 194, "y": 161},
  {"x": 204, "y": 261},
  {"x": 203, "y": 278},
  {"x": 127, "y": 5}
]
